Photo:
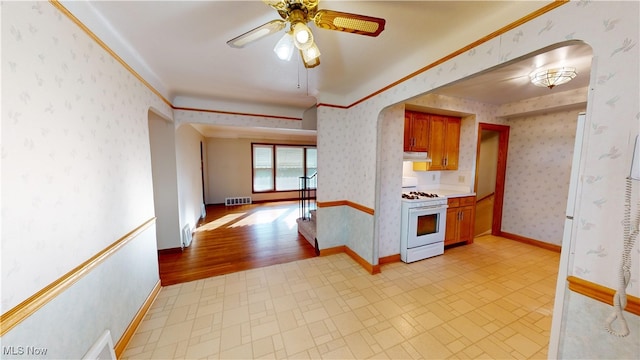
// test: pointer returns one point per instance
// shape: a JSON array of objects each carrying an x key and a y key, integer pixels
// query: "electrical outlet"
[
  {"x": 461, "y": 178},
  {"x": 433, "y": 177}
]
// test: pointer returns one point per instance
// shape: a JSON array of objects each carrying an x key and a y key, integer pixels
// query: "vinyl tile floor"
[{"x": 492, "y": 299}]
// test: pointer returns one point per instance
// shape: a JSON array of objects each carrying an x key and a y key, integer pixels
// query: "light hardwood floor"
[{"x": 490, "y": 299}]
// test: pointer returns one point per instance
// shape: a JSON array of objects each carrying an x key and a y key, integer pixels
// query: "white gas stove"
[{"x": 423, "y": 225}]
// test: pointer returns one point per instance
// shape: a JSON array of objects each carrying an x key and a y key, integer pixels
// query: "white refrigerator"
[
  {"x": 568, "y": 237},
  {"x": 575, "y": 184}
]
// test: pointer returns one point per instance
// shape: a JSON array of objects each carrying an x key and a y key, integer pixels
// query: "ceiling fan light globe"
[
  {"x": 311, "y": 64},
  {"x": 302, "y": 36},
  {"x": 284, "y": 47},
  {"x": 311, "y": 53}
]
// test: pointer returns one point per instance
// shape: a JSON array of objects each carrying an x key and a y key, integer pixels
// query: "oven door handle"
[{"x": 428, "y": 209}]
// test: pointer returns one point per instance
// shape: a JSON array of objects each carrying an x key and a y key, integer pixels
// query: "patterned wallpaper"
[
  {"x": 205, "y": 117},
  {"x": 76, "y": 170},
  {"x": 333, "y": 175},
  {"x": 586, "y": 337},
  {"x": 391, "y": 166},
  {"x": 342, "y": 176},
  {"x": 538, "y": 171},
  {"x": 350, "y": 138},
  {"x": 348, "y": 167}
]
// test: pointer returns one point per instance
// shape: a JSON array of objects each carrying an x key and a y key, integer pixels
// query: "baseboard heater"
[
  {"x": 243, "y": 200},
  {"x": 187, "y": 236}
]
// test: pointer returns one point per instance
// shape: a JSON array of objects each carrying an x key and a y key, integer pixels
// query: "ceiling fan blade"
[
  {"x": 353, "y": 23},
  {"x": 261, "y": 31},
  {"x": 276, "y": 4}
]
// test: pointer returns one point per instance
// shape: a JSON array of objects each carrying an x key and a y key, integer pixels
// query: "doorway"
[{"x": 491, "y": 167}]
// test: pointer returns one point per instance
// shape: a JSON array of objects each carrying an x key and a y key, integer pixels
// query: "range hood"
[{"x": 416, "y": 156}]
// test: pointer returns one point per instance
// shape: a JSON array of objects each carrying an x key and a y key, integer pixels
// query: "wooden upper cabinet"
[
  {"x": 439, "y": 135},
  {"x": 408, "y": 140},
  {"x": 444, "y": 138},
  {"x": 416, "y": 131},
  {"x": 452, "y": 143}
]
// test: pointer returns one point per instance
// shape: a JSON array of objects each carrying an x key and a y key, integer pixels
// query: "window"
[
  {"x": 262, "y": 168},
  {"x": 289, "y": 167},
  {"x": 312, "y": 167},
  {"x": 279, "y": 167}
]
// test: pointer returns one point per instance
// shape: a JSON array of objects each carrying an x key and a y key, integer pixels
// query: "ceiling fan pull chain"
[{"x": 298, "y": 70}]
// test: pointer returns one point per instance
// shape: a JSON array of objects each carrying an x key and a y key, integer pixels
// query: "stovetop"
[
  {"x": 417, "y": 199},
  {"x": 418, "y": 195}
]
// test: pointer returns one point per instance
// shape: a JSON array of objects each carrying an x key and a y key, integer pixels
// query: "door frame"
[
  {"x": 501, "y": 172},
  {"x": 204, "y": 198}
]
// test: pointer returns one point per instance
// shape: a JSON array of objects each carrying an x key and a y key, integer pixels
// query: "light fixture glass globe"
[
  {"x": 552, "y": 77},
  {"x": 311, "y": 53},
  {"x": 284, "y": 47},
  {"x": 302, "y": 36}
]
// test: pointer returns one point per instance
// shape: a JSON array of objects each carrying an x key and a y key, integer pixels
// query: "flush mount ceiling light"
[
  {"x": 553, "y": 77},
  {"x": 298, "y": 13}
]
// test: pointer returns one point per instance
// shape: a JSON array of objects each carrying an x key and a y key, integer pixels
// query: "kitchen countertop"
[
  {"x": 452, "y": 193},
  {"x": 442, "y": 191}
]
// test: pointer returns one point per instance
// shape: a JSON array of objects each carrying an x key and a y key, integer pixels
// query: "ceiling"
[
  {"x": 180, "y": 48},
  {"x": 510, "y": 82}
]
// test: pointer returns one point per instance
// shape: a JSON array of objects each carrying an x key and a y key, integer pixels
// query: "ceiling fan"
[{"x": 298, "y": 13}]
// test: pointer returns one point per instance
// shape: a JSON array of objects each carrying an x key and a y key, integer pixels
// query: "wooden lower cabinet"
[{"x": 460, "y": 220}]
